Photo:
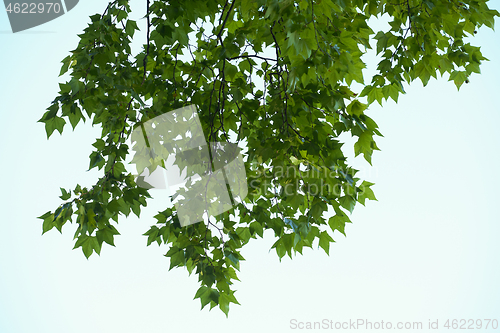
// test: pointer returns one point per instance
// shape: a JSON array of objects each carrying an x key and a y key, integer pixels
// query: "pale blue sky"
[{"x": 428, "y": 249}]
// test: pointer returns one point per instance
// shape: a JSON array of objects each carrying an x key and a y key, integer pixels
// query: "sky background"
[{"x": 426, "y": 250}]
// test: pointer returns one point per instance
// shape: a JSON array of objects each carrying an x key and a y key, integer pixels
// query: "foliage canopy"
[{"x": 310, "y": 97}]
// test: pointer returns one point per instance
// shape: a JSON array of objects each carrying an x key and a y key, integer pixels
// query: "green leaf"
[
  {"x": 280, "y": 248},
  {"x": 207, "y": 295},
  {"x": 365, "y": 145},
  {"x": 233, "y": 260},
  {"x": 230, "y": 71},
  {"x": 177, "y": 257},
  {"x": 66, "y": 62},
  {"x": 107, "y": 235},
  {"x": 48, "y": 222},
  {"x": 54, "y": 123},
  {"x": 51, "y": 113},
  {"x": 338, "y": 221},
  {"x": 257, "y": 228},
  {"x": 366, "y": 192},
  {"x": 347, "y": 202},
  {"x": 88, "y": 244},
  {"x": 392, "y": 91},
  {"x": 96, "y": 160},
  {"x": 224, "y": 303},
  {"x": 137, "y": 98},
  {"x": 356, "y": 108},
  {"x": 65, "y": 194},
  {"x": 75, "y": 116},
  {"x": 75, "y": 86},
  {"x": 153, "y": 235},
  {"x": 458, "y": 77},
  {"x": 375, "y": 94},
  {"x": 324, "y": 241},
  {"x": 130, "y": 28}
]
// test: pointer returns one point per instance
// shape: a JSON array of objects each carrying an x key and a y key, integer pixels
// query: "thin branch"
[
  {"x": 219, "y": 35},
  {"x": 145, "y": 61},
  {"x": 252, "y": 56}
]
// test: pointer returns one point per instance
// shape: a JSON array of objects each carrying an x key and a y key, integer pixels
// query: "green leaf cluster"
[{"x": 295, "y": 166}]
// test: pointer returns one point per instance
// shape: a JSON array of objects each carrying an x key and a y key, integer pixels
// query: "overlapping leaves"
[{"x": 295, "y": 164}]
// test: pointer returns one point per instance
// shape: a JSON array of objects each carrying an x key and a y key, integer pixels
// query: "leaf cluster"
[{"x": 295, "y": 165}]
